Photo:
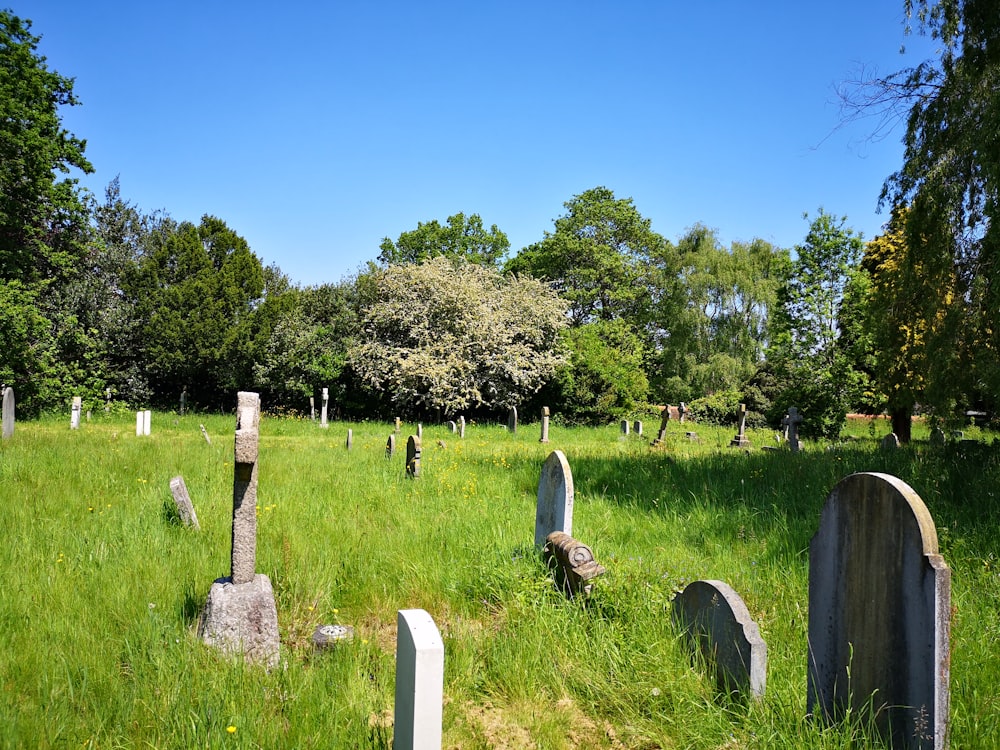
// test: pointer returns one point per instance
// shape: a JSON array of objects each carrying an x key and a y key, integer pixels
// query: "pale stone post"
[
  {"x": 138, "y": 423},
  {"x": 390, "y": 445},
  {"x": 107, "y": 400},
  {"x": 419, "y": 682},
  {"x": 74, "y": 417},
  {"x": 350, "y": 438},
  {"x": 8, "y": 413},
  {"x": 184, "y": 395},
  {"x": 147, "y": 418},
  {"x": 244, "y": 555},
  {"x": 312, "y": 409},
  {"x": 461, "y": 426},
  {"x": 323, "y": 409},
  {"x": 545, "y": 425}
]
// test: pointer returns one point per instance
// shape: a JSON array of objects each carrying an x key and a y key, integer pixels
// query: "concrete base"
[{"x": 242, "y": 619}]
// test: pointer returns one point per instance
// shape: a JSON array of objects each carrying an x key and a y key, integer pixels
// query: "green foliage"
[
  {"x": 450, "y": 335},
  {"x": 603, "y": 380},
  {"x": 462, "y": 238},
  {"x": 719, "y": 408}
]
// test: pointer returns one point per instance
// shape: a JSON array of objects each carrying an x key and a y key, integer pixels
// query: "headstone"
[
  {"x": 7, "y": 413},
  {"x": 637, "y": 428},
  {"x": 185, "y": 510},
  {"x": 147, "y": 418},
  {"x": 740, "y": 441},
  {"x": 390, "y": 445},
  {"x": 890, "y": 442},
  {"x": 791, "y": 422},
  {"x": 572, "y": 563},
  {"x": 88, "y": 415},
  {"x": 240, "y": 616},
  {"x": 107, "y": 400},
  {"x": 204, "y": 434},
  {"x": 681, "y": 411},
  {"x": 323, "y": 409},
  {"x": 554, "y": 508},
  {"x": 74, "y": 418},
  {"x": 312, "y": 408},
  {"x": 718, "y": 626},
  {"x": 453, "y": 426},
  {"x": 664, "y": 419},
  {"x": 420, "y": 430},
  {"x": 398, "y": 425},
  {"x": 879, "y": 613},
  {"x": 419, "y": 682},
  {"x": 938, "y": 437},
  {"x": 626, "y": 427},
  {"x": 413, "y": 457},
  {"x": 184, "y": 395},
  {"x": 512, "y": 420},
  {"x": 138, "y": 423},
  {"x": 350, "y": 438},
  {"x": 545, "y": 425},
  {"x": 692, "y": 436},
  {"x": 461, "y": 427}
]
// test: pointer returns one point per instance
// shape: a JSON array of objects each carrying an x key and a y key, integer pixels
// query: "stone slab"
[
  {"x": 554, "y": 507},
  {"x": 419, "y": 682}
]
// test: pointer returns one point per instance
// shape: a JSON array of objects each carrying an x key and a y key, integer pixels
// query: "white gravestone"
[
  {"x": 323, "y": 409},
  {"x": 879, "y": 613},
  {"x": 554, "y": 509},
  {"x": 74, "y": 417},
  {"x": 147, "y": 418},
  {"x": 185, "y": 509},
  {"x": 419, "y": 682},
  {"x": 7, "y": 415},
  {"x": 138, "y": 423},
  {"x": 544, "y": 438}
]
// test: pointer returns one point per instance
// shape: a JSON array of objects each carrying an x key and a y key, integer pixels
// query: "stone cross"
[
  {"x": 419, "y": 682},
  {"x": 413, "y": 457},
  {"x": 7, "y": 413},
  {"x": 719, "y": 629},
  {"x": 244, "y": 557},
  {"x": 74, "y": 418},
  {"x": 185, "y": 510},
  {"x": 791, "y": 422},
  {"x": 323, "y": 409},
  {"x": 554, "y": 507},
  {"x": 545, "y": 425},
  {"x": 740, "y": 441},
  {"x": 512, "y": 420},
  {"x": 879, "y": 613}
]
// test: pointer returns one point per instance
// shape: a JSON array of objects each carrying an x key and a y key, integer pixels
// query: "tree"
[
  {"x": 449, "y": 335},
  {"x": 462, "y": 237},
  {"x": 42, "y": 218},
  {"x": 601, "y": 259}
]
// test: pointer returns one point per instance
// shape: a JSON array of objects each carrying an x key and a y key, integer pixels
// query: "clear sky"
[{"x": 315, "y": 129}]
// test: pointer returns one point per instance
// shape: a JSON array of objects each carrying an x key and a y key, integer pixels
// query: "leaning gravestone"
[
  {"x": 545, "y": 425},
  {"x": 413, "y": 457},
  {"x": 204, "y": 434},
  {"x": 740, "y": 441},
  {"x": 718, "y": 626},
  {"x": 74, "y": 417},
  {"x": 554, "y": 508},
  {"x": 512, "y": 419},
  {"x": 664, "y": 419},
  {"x": 240, "y": 616},
  {"x": 890, "y": 442},
  {"x": 419, "y": 682},
  {"x": 185, "y": 510},
  {"x": 879, "y": 613},
  {"x": 7, "y": 413}
]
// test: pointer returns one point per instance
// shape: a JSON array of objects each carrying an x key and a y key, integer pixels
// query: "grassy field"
[{"x": 102, "y": 587}]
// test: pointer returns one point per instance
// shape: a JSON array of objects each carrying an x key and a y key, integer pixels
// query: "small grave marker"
[
  {"x": 545, "y": 425},
  {"x": 185, "y": 509},
  {"x": 7, "y": 413},
  {"x": 413, "y": 457},
  {"x": 718, "y": 625},
  {"x": 312, "y": 408},
  {"x": 419, "y": 682},
  {"x": 138, "y": 423},
  {"x": 390, "y": 445},
  {"x": 512, "y": 420},
  {"x": 637, "y": 427},
  {"x": 681, "y": 411},
  {"x": 74, "y": 418},
  {"x": 554, "y": 508},
  {"x": 452, "y": 426},
  {"x": 625, "y": 427},
  {"x": 664, "y": 419},
  {"x": 790, "y": 422},
  {"x": 740, "y": 441},
  {"x": 323, "y": 409},
  {"x": 890, "y": 442},
  {"x": 204, "y": 434},
  {"x": 147, "y": 419},
  {"x": 572, "y": 563},
  {"x": 350, "y": 438}
]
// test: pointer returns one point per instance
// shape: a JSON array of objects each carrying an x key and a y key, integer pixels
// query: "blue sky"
[{"x": 316, "y": 129}]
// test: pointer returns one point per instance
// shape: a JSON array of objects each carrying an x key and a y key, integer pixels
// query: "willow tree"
[{"x": 448, "y": 335}]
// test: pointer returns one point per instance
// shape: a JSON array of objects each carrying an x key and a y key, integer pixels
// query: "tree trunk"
[{"x": 901, "y": 423}]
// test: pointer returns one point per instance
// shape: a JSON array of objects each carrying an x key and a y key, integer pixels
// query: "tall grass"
[{"x": 102, "y": 587}]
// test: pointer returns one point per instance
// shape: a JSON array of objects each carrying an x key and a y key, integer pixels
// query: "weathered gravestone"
[
  {"x": 637, "y": 427},
  {"x": 879, "y": 613},
  {"x": 420, "y": 430},
  {"x": 461, "y": 427},
  {"x": 350, "y": 439},
  {"x": 240, "y": 616},
  {"x": 323, "y": 408},
  {"x": 413, "y": 457},
  {"x": 184, "y": 395},
  {"x": 74, "y": 417},
  {"x": 545, "y": 425},
  {"x": 512, "y": 419},
  {"x": 204, "y": 434},
  {"x": 185, "y": 509},
  {"x": 147, "y": 420},
  {"x": 554, "y": 508},
  {"x": 790, "y": 422},
  {"x": 664, "y": 420},
  {"x": 399, "y": 425},
  {"x": 107, "y": 400},
  {"x": 390, "y": 445},
  {"x": 452, "y": 426},
  {"x": 681, "y": 411},
  {"x": 718, "y": 627},
  {"x": 7, "y": 413},
  {"x": 625, "y": 427},
  {"x": 740, "y": 441},
  {"x": 312, "y": 408},
  {"x": 572, "y": 563},
  {"x": 419, "y": 682},
  {"x": 890, "y": 442},
  {"x": 938, "y": 437}
]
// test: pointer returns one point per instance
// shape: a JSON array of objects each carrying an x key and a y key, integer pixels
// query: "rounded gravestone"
[
  {"x": 413, "y": 457},
  {"x": 390, "y": 446},
  {"x": 554, "y": 511}
]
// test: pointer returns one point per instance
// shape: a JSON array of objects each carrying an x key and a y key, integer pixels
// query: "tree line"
[{"x": 598, "y": 319}]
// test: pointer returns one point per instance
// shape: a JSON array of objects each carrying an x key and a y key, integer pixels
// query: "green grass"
[{"x": 102, "y": 588}]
